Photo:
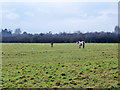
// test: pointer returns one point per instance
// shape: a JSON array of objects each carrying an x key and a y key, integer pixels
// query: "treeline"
[{"x": 90, "y": 37}]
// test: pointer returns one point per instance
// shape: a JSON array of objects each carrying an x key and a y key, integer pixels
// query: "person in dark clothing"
[{"x": 51, "y": 44}]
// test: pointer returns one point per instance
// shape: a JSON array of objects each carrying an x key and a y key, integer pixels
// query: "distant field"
[{"x": 63, "y": 66}]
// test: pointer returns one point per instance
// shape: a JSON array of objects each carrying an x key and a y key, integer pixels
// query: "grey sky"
[{"x": 60, "y": 16}]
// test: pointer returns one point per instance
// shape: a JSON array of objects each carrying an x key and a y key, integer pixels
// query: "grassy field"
[{"x": 63, "y": 66}]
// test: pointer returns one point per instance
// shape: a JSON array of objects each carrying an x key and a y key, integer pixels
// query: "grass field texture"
[{"x": 35, "y": 65}]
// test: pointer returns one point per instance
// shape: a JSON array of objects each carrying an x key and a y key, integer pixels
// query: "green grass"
[{"x": 63, "y": 66}]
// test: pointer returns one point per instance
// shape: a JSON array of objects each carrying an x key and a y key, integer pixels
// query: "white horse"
[{"x": 81, "y": 43}]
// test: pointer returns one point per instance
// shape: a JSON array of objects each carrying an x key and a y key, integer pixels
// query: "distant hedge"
[{"x": 92, "y": 37}]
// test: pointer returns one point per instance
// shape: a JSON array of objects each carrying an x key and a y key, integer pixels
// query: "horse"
[{"x": 81, "y": 43}]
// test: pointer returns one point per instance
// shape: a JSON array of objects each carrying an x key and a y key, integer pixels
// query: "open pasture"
[{"x": 35, "y": 65}]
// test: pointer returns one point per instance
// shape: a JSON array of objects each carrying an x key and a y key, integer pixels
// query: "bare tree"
[{"x": 17, "y": 31}]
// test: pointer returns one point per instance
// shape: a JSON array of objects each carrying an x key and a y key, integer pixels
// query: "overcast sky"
[{"x": 37, "y": 17}]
